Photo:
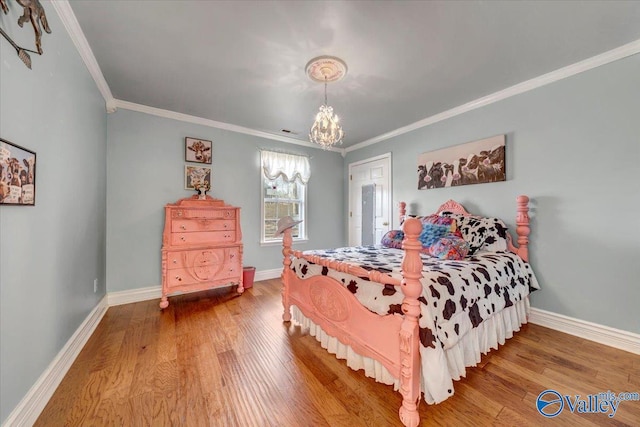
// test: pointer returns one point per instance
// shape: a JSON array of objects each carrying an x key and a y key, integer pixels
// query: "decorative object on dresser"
[
  {"x": 196, "y": 177},
  {"x": 471, "y": 163},
  {"x": 17, "y": 175},
  {"x": 201, "y": 246}
]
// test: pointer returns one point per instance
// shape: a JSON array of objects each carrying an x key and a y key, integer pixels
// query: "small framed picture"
[
  {"x": 197, "y": 150},
  {"x": 197, "y": 176},
  {"x": 17, "y": 175}
]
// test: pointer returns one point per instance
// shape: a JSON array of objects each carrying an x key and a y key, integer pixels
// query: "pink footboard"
[{"x": 392, "y": 340}]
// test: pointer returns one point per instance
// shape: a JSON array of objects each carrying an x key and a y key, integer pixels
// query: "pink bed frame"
[{"x": 391, "y": 340}]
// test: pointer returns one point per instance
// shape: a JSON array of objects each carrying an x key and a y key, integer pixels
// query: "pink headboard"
[
  {"x": 522, "y": 222},
  {"x": 453, "y": 207}
]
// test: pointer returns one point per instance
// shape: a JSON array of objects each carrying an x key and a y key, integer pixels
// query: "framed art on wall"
[
  {"x": 196, "y": 176},
  {"x": 475, "y": 162},
  {"x": 17, "y": 175},
  {"x": 197, "y": 150}
]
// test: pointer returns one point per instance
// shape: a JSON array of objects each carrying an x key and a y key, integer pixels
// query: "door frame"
[{"x": 384, "y": 156}]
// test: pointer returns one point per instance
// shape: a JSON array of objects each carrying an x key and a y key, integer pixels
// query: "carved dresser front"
[{"x": 201, "y": 246}]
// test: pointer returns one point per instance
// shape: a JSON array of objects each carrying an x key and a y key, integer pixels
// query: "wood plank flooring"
[{"x": 215, "y": 359}]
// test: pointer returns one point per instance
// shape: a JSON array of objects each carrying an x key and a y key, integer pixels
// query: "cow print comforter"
[{"x": 456, "y": 296}]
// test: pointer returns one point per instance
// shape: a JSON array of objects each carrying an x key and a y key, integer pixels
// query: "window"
[{"x": 284, "y": 191}]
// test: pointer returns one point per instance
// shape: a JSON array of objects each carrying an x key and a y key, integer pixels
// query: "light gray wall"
[
  {"x": 573, "y": 147},
  {"x": 50, "y": 253},
  {"x": 145, "y": 163}
]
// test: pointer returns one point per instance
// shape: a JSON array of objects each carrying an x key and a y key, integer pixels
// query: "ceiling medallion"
[{"x": 326, "y": 130}]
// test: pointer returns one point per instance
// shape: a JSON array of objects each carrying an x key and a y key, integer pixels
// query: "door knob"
[{"x": 385, "y": 223}]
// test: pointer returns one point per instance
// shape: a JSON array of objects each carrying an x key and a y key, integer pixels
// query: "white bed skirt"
[{"x": 465, "y": 353}]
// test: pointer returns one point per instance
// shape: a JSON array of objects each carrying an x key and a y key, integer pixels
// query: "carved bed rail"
[{"x": 372, "y": 275}]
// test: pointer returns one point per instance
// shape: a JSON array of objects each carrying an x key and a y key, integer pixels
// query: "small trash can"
[{"x": 248, "y": 273}]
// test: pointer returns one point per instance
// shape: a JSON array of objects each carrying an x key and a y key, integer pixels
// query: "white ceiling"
[{"x": 242, "y": 62}]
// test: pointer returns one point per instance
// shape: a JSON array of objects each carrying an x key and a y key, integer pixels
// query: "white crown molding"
[
  {"x": 545, "y": 79},
  {"x": 32, "y": 404},
  {"x": 167, "y": 114},
  {"x": 70, "y": 22},
  {"x": 623, "y": 340},
  {"x": 63, "y": 8}
]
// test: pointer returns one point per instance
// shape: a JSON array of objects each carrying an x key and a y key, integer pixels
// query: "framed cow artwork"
[
  {"x": 17, "y": 175},
  {"x": 197, "y": 150},
  {"x": 475, "y": 162},
  {"x": 196, "y": 177}
]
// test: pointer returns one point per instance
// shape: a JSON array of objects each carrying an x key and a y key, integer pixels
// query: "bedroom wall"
[
  {"x": 50, "y": 253},
  {"x": 573, "y": 147},
  {"x": 145, "y": 163}
]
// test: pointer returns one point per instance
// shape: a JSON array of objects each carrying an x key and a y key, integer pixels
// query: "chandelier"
[{"x": 326, "y": 129}]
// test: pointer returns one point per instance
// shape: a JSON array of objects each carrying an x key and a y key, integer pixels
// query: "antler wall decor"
[{"x": 34, "y": 12}]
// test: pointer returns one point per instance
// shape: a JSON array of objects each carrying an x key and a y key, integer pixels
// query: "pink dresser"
[{"x": 201, "y": 246}]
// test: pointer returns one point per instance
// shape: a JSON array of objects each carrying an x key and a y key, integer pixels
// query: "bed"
[{"x": 410, "y": 319}]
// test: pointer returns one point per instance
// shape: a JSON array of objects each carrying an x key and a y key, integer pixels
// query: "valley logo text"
[{"x": 550, "y": 403}]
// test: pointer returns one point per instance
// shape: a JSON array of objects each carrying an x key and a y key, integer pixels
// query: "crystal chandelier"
[{"x": 326, "y": 129}]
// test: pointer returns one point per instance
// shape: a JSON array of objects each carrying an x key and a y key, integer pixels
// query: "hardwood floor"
[{"x": 214, "y": 359}]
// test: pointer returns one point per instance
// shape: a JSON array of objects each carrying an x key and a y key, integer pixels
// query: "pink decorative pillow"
[
  {"x": 450, "y": 247},
  {"x": 393, "y": 239},
  {"x": 433, "y": 228}
]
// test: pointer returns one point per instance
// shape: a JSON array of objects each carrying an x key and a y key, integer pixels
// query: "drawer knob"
[
  {"x": 226, "y": 226},
  {"x": 183, "y": 227},
  {"x": 232, "y": 255},
  {"x": 179, "y": 213},
  {"x": 182, "y": 238},
  {"x": 179, "y": 279},
  {"x": 175, "y": 261}
]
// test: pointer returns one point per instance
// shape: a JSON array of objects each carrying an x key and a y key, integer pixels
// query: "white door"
[{"x": 377, "y": 172}]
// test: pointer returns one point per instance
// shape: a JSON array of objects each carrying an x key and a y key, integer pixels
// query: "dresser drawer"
[
  {"x": 204, "y": 213},
  {"x": 184, "y": 276},
  {"x": 201, "y": 258},
  {"x": 202, "y": 224},
  {"x": 209, "y": 237}
]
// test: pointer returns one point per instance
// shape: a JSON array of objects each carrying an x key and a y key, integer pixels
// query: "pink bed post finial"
[
  {"x": 402, "y": 209},
  {"x": 409, "y": 338},
  {"x": 286, "y": 271},
  {"x": 522, "y": 226}
]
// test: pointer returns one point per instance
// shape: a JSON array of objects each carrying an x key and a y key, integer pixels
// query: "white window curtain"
[{"x": 289, "y": 166}]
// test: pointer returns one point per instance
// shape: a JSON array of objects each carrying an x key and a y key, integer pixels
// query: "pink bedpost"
[
  {"x": 409, "y": 334},
  {"x": 286, "y": 271},
  {"x": 402, "y": 208},
  {"x": 523, "y": 230}
]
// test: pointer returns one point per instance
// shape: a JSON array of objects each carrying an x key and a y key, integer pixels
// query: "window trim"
[{"x": 303, "y": 207}]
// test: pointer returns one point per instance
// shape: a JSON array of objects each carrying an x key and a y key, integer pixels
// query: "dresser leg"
[
  {"x": 164, "y": 302},
  {"x": 240, "y": 288}
]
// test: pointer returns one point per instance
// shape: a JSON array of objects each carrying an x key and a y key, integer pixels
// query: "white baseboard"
[
  {"x": 268, "y": 274},
  {"x": 155, "y": 292},
  {"x": 32, "y": 404},
  {"x": 134, "y": 295},
  {"x": 623, "y": 340}
]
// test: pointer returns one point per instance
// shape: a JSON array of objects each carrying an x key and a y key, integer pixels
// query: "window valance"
[{"x": 288, "y": 166}]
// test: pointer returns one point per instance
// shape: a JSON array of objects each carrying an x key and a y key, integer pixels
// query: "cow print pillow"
[{"x": 487, "y": 234}]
